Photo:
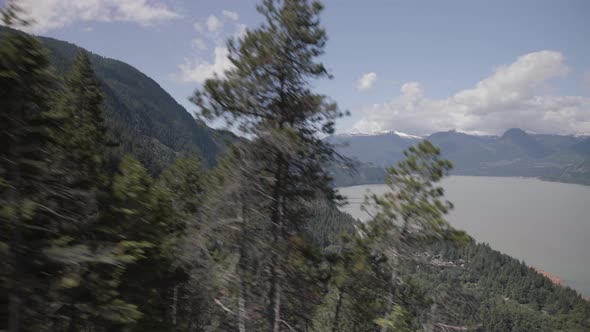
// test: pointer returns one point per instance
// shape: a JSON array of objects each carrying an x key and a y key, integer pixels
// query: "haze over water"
[{"x": 546, "y": 224}]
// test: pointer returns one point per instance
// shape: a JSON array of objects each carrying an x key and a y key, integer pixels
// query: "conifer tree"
[
  {"x": 89, "y": 266},
  {"x": 26, "y": 89},
  {"x": 82, "y": 137},
  {"x": 267, "y": 96},
  {"x": 184, "y": 183},
  {"x": 139, "y": 218},
  {"x": 411, "y": 212}
]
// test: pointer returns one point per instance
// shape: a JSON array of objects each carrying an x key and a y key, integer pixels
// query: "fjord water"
[{"x": 546, "y": 224}]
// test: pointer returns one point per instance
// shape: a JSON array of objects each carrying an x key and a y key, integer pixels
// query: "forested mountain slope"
[{"x": 141, "y": 116}]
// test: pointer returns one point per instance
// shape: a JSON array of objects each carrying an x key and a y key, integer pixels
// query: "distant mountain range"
[
  {"x": 515, "y": 153},
  {"x": 149, "y": 124}
]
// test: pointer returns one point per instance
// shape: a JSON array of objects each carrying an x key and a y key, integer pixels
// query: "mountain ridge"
[
  {"x": 562, "y": 158},
  {"x": 139, "y": 114}
]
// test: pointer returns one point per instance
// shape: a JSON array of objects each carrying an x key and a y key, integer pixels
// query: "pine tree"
[
  {"x": 82, "y": 138},
  {"x": 267, "y": 97},
  {"x": 410, "y": 213},
  {"x": 26, "y": 89},
  {"x": 139, "y": 218},
  {"x": 185, "y": 183},
  {"x": 88, "y": 268}
]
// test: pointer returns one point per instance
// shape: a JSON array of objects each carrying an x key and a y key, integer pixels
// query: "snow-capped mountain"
[
  {"x": 515, "y": 153},
  {"x": 378, "y": 133}
]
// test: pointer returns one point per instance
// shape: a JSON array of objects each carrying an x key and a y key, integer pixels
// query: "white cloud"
[
  {"x": 366, "y": 82},
  {"x": 55, "y": 14},
  {"x": 510, "y": 97},
  {"x": 199, "y": 44},
  {"x": 229, "y": 14},
  {"x": 214, "y": 24},
  {"x": 212, "y": 35},
  {"x": 198, "y": 70},
  {"x": 240, "y": 30}
]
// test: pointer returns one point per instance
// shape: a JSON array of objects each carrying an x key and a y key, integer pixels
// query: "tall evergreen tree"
[
  {"x": 267, "y": 96},
  {"x": 82, "y": 139},
  {"x": 139, "y": 217},
  {"x": 26, "y": 89},
  {"x": 184, "y": 183},
  {"x": 89, "y": 266},
  {"x": 410, "y": 213}
]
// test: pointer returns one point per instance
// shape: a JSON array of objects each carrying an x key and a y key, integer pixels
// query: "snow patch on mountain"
[{"x": 381, "y": 132}]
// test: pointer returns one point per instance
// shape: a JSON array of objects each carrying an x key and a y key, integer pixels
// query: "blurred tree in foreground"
[
  {"x": 26, "y": 87},
  {"x": 411, "y": 212},
  {"x": 279, "y": 170}
]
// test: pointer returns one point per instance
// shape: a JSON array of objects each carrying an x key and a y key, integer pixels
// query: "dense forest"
[
  {"x": 112, "y": 220},
  {"x": 142, "y": 118}
]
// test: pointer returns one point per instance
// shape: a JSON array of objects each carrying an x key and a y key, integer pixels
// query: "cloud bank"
[
  {"x": 214, "y": 24},
  {"x": 56, "y": 14},
  {"x": 198, "y": 69},
  {"x": 229, "y": 14},
  {"x": 510, "y": 97},
  {"x": 212, "y": 34}
]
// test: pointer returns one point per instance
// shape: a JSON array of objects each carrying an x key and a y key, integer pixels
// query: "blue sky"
[{"x": 413, "y": 66}]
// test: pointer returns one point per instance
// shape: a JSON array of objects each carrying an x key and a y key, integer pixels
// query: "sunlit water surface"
[{"x": 546, "y": 224}]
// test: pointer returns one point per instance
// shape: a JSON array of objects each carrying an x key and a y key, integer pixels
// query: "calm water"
[{"x": 546, "y": 224}]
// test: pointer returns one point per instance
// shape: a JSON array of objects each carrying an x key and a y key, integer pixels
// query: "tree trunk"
[
  {"x": 14, "y": 312},
  {"x": 274, "y": 307},
  {"x": 242, "y": 264},
  {"x": 336, "y": 320},
  {"x": 274, "y": 295},
  {"x": 277, "y": 309},
  {"x": 390, "y": 297},
  {"x": 73, "y": 324},
  {"x": 242, "y": 306},
  {"x": 174, "y": 304},
  {"x": 393, "y": 282},
  {"x": 16, "y": 241},
  {"x": 394, "y": 267}
]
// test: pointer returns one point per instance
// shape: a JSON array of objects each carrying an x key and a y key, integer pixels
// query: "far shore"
[{"x": 555, "y": 279}]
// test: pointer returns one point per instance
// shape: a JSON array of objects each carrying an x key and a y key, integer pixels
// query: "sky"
[{"x": 414, "y": 66}]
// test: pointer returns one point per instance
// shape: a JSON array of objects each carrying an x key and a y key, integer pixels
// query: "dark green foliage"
[
  {"x": 414, "y": 207},
  {"x": 26, "y": 86},
  {"x": 141, "y": 118},
  {"x": 267, "y": 96},
  {"x": 190, "y": 282},
  {"x": 82, "y": 135},
  {"x": 496, "y": 291},
  {"x": 327, "y": 224},
  {"x": 86, "y": 268},
  {"x": 139, "y": 216},
  {"x": 81, "y": 251}
]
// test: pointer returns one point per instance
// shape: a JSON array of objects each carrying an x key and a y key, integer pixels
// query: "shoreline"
[
  {"x": 542, "y": 179},
  {"x": 556, "y": 280}
]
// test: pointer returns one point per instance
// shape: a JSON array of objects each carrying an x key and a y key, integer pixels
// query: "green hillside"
[{"x": 143, "y": 118}]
